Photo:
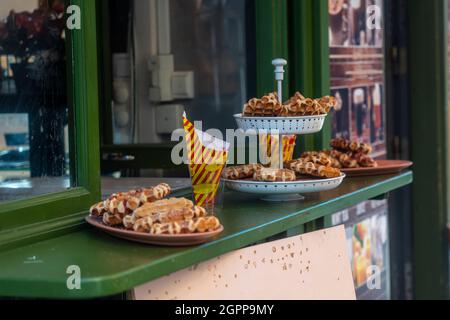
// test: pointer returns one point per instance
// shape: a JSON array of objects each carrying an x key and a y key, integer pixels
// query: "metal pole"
[{"x": 279, "y": 77}]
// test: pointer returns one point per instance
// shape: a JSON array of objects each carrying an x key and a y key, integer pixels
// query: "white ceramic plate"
[{"x": 179, "y": 240}]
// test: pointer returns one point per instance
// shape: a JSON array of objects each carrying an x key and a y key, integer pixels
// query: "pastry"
[
  {"x": 241, "y": 172},
  {"x": 129, "y": 221},
  {"x": 125, "y": 203},
  {"x": 304, "y": 167},
  {"x": 340, "y": 144},
  {"x": 267, "y": 106},
  {"x": 347, "y": 161},
  {"x": 365, "y": 161},
  {"x": 166, "y": 216},
  {"x": 154, "y": 194},
  {"x": 97, "y": 210},
  {"x": 297, "y": 96},
  {"x": 328, "y": 172},
  {"x": 111, "y": 219},
  {"x": 319, "y": 158},
  {"x": 122, "y": 204},
  {"x": 299, "y": 106},
  {"x": 160, "y": 206},
  {"x": 143, "y": 225},
  {"x": 145, "y": 210},
  {"x": 352, "y": 154},
  {"x": 327, "y": 103},
  {"x": 118, "y": 206},
  {"x": 199, "y": 225},
  {"x": 274, "y": 175},
  {"x": 351, "y": 146}
]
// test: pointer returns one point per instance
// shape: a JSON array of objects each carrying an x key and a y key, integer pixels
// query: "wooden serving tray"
[
  {"x": 384, "y": 167},
  {"x": 181, "y": 240}
]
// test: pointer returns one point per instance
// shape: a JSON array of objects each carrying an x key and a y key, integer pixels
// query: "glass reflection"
[{"x": 33, "y": 98}]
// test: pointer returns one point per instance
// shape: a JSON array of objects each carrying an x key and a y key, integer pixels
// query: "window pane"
[
  {"x": 170, "y": 56},
  {"x": 34, "y": 151},
  {"x": 210, "y": 38}
]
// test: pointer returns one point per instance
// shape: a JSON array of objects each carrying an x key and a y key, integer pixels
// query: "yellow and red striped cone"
[
  {"x": 206, "y": 164},
  {"x": 288, "y": 147},
  {"x": 271, "y": 144}
]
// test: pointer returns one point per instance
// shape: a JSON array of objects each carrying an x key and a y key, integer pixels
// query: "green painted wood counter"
[{"x": 110, "y": 266}]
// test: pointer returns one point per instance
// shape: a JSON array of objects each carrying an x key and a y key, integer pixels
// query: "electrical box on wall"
[
  {"x": 168, "y": 84},
  {"x": 169, "y": 118},
  {"x": 183, "y": 85}
]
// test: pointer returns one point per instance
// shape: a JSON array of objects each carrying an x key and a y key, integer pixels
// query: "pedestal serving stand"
[{"x": 282, "y": 191}]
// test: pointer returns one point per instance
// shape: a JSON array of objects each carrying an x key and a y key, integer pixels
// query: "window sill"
[{"x": 110, "y": 266}]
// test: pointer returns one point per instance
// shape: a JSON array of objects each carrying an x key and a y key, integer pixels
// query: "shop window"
[
  {"x": 34, "y": 109},
  {"x": 357, "y": 81},
  {"x": 171, "y": 56}
]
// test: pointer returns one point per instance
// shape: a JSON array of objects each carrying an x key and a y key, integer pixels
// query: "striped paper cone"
[
  {"x": 288, "y": 147},
  {"x": 207, "y": 157},
  {"x": 271, "y": 144}
]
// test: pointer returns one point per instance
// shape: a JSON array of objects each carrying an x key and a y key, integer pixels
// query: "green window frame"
[{"x": 33, "y": 218}]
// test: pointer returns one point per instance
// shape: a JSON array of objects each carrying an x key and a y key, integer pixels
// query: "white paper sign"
[{"x": 307, "y": 267}]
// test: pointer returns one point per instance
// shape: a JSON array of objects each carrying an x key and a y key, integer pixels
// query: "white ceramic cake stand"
[{"x": 282, "y": 191}]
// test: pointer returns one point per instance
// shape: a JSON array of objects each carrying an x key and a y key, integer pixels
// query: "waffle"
[
  {"x": 352, "y": 154},
  {"x": 199, "y": 225},
  {"x": 111, "y": 219},
  {"x": 328, "y": 172},
  {"x": 351, "y": 146},
  {"x": 121, "y": 204},
  {"x": 129, "y": 221},
  {"x": 174, "y": 215},
  {"x": 298, "y": 105},
  {"x": 145, "y": 210},
  {"x": 322, "y": 158},
  {"x": 154, "y": 194},
  {"x": 160, "y": 206},
  {"x": 241, "y": 172},
  {"x": 365, "y": 161},
  {"x": 318, "y": 158},
  {"x": 303, "y": 167},
  {"x": 126, "y": 203},
  {"x": 274, "y": 175},
  {"x": 347, "y": 161},
  {"x": 297, "y": 96},
  {"x": 143, "y": 225},
  {"x": 97, "y": 210},
  {"x": 327, "y": 103},
  {"x": 267, "y": 106}
]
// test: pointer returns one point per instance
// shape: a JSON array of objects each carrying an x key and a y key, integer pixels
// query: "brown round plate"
[
  {"x": 384, "y": 167},
  {"x": 181, "y": 240}
]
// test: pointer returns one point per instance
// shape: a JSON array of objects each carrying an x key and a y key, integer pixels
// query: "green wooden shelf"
[{"x": 110, "y": 266}]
